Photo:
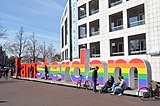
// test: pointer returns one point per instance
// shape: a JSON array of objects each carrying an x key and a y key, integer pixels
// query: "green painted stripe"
[
  {"x": 40, "y": 71},
  {"x": 142, "y": 76},
  {"x": 125, "y": 75},
  {"x": 82, "y": 73},
  {"x": 110, "y": 74},
  {"x": 54, "y": 70}
]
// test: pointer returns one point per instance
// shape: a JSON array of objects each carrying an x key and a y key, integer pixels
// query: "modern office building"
[{"x": 113, "y": 29}]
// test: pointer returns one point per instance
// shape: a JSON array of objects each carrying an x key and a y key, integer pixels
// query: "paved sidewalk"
[
  {"x": 15, "y": 92},
  {"x": 70, "y": 84}
]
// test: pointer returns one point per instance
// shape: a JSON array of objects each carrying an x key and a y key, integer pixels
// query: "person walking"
[{"x": 94, "y": 78}]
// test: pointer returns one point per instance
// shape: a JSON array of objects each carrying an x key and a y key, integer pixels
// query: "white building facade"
[{"x": 115, "y": 29}]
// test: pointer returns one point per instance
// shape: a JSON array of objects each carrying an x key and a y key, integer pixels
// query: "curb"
[{"x": 60, "y": 84}]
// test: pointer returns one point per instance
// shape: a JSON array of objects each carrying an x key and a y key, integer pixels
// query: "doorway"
[
  {"x": 134, "y": 78},
  {"x": 117, "y": 73}
]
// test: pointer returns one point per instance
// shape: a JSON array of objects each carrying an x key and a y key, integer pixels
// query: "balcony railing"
[
  {"x": 83, "y": 36},
  {"x": 118, "y": 53},
  {"x": 137, "y": 23},
  {"x": 94, "y": 11},
  {"x": 138, "y": 52},
  {"x": 94, "y": 33},
  {"x": 82, "y": 16},
  {"x": 95, "y": 55},
  {"x": 115, "y": 3},
  {"x": 117, "y": 28}
]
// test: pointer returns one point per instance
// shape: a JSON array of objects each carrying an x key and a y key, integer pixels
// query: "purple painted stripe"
[
  {"x": 75, "y": 79},
  {"x": 54, "y": 77},
  {"x": 127, "y": 81},
  {"x": 143, "y": 83},
  {"x": 63, "y": 76},
  {"x": 39, "y": 75}
]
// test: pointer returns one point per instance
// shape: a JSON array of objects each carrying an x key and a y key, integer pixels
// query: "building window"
[
  {"x": 93, "y": 7},
  {"x": 82, "y": 46},
  {"x": 94, "y": 28},
  {"x": 82, "y": 30},
  {"x": 116, "y": 21},
  {"x": 117, "y": 47},
  {"x": 66, "y": 54},
  {"x": 82, "y": 11},
  {"x": 113, "y": 3},
  {"x": 66, "y": 32},
  {"x": 137, "y": 44},
  {"x": 62, "y": 34},
  {"x": 62, "y": 56},
  {"x": 136, "y": 16},
  {"x": 95, "y": 49}
]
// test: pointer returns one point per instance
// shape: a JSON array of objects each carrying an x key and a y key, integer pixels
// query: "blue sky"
[{"x": 39, "y": 16}]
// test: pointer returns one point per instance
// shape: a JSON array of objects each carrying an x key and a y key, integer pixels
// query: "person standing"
[
  {"x": 31, "y": 71},
  {"x": 18, "y": 71},
  {"x": 6, "y": 72},
  {"x": 94, "y": 78},
  {"x": 46, "y": 72},
  {"x": 12, "y": 72}
]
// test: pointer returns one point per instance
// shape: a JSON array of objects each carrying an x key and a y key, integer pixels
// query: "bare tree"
[
  {"x": 43, "y": 50},
  {"x": 47, "y": 51},
  {"x": 2, "y": 31},
  {"x": 33, "y": 48},
  {"x": 11, "y": 61},
  {"x": 57, "y": 57},
  {"x": 18, "y": 47},
  {"x": 5, "y": 45},
  {"x": 51, "y": 51}
]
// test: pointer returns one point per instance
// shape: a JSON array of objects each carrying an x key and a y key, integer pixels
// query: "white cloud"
[{"x": 11, "y": 18}]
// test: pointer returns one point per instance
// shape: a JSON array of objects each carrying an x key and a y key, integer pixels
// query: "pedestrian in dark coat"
[{"x": 94, "y": 78}]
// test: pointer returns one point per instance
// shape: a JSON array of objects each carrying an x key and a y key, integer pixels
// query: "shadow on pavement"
[
  {"x": 8, "y": 81},
  {"x": 2, "y": 101}
]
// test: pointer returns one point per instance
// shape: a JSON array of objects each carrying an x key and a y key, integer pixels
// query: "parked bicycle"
[
  {"x": 146, "y": 93},
  {"x": 87, "y": 84}
]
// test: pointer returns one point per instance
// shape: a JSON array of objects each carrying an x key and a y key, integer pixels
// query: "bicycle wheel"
[
  {"x": 78, "y": 85},
  {"x": 88, "y": 85},
  {"x": 157, "y": 93},
  {"x": 144, "y": 93}
]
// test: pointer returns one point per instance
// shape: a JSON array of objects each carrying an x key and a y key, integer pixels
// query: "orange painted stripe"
[
  {"x": 77, "y": 65},
  {"x": 136, "y": 61},
  {"x": 138, "y": 65}
]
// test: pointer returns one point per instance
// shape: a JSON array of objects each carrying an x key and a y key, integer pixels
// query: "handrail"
[
  {"x": 138, "y": 51},
  {"x": 118, "y": 53},
  {"x": 95, "y": 55},
  {"x": 116, "y": 3},
  {"x": 95, "y": 33},
  {"x": 94, "y": 11},
  {"x": 117, "y": 28},
  {"x": 83, "y": 35},
  {"x": 137, "y": 22},
  {"x": 82, "y": 16}
]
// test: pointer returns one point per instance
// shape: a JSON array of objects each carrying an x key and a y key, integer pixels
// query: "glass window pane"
[{"x": 134, "y": 45}]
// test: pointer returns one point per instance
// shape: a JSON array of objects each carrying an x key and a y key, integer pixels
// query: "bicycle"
[
  {"x": 87, "y": 84},
  {"x": 146, "y": 93}
]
